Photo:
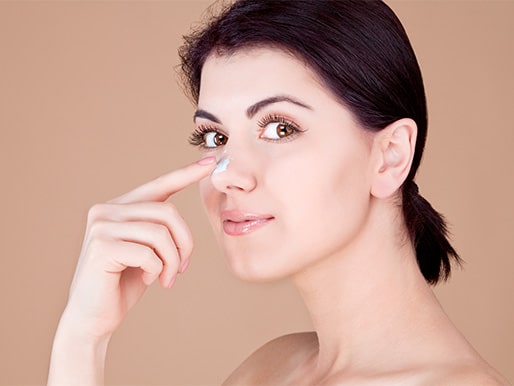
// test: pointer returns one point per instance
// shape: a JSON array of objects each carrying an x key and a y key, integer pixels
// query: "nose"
[{"x": 232, "y": 176}]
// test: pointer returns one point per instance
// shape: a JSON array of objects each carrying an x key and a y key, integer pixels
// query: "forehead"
[{"x": 257, "y": 73}]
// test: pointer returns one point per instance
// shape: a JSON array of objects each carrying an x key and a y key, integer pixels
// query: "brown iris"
[
  {"x": 284, "y": 130},
  {"x": 220, "y": 139}
]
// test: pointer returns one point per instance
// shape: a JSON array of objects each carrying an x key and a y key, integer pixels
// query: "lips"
[{"x": 239, "y": 223}]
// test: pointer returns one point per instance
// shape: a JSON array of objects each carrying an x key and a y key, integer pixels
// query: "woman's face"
[{"x": 296, "y": 188}]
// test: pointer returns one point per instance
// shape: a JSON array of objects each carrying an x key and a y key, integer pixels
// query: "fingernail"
[
  {"x": 184, "y": 266},
  {"x": 172, "y": 281},
  {"x": 206, "y": 161}
]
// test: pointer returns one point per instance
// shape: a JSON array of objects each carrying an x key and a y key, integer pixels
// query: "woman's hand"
[{"x": 130, "y": 242}]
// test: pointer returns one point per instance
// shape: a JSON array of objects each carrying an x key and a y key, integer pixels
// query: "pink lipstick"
[{"x": 238, "y": 223}]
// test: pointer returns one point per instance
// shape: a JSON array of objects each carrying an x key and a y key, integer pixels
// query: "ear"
[{"x": 393, "y": 150}]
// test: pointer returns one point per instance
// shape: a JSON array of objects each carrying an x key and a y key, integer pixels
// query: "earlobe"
[{"x": 394, "y": 150}]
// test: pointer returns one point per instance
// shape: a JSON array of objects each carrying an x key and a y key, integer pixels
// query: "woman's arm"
[{"x": 129, "y": 243}]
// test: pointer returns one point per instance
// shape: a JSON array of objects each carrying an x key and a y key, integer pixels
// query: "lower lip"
[{"x": 244, "y": 227}]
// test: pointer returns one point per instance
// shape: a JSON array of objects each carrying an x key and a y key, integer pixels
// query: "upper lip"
[{"x": 235, "y": 215}]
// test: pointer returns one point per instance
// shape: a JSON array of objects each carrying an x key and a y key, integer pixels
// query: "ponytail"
[{"x": 429, "y": 234}]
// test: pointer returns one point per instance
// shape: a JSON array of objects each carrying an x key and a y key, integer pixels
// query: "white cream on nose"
[{"x": 221, "y": 166}]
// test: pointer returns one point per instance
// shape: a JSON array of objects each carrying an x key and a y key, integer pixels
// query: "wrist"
[
  {"x": 71, "y": 328},
  {"x": 78, "y": 356}
]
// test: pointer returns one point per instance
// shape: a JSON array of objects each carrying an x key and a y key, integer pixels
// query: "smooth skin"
[
  {"x": 130, "y": 242},
  {"x": 332, "y": 192}
]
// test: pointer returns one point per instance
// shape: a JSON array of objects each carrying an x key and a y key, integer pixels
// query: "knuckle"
[
  {"x": 173, "y": 264},
  {"x": 161, "y": 233},
  {"x": 186, "y": 247},
  {"x": 158, "y": 265},
  {"x": 147, "y": 253},
  {"x": 190, "y": 239},
  {"x": 96, "y": 247},
  {"x": 169, "y": 208},
  {"x": 96, "y": 228},
  {"x": 96, "y": 212},
  {"x": 149, "y": 257},
  {"x": 167, "y": 212},
  {"x": 187, "y": 244},
  {"x": 187, "y": 251}
]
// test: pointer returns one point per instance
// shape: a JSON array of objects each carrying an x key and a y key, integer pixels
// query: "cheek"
[
  {"x": 209, "y": 197},
  {"x": 323, "y": 192}
]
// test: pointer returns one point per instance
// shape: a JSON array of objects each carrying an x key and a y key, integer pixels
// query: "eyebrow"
[
  {"x": 205, "y": 114},
  {"x": 254, "y": 109}
]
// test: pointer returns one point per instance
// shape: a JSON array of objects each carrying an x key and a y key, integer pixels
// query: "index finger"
[{"x": 164, "y": 186}]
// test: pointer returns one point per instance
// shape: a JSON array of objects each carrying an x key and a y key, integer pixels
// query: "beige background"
[{"x": 90, "y": 107}]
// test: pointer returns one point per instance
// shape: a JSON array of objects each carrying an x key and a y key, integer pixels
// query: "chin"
[
  {"x": 249, "y": 272},
  {"x": 252, "y": 267}
]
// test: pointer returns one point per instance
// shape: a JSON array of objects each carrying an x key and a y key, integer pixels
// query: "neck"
[{"x": 370, "y": 303}]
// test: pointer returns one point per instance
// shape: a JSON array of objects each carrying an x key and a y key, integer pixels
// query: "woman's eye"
[
  {"x": 208, "y": 138},
  {"x": 214, "y": 139},
  {"x": 278, "y": 130}
]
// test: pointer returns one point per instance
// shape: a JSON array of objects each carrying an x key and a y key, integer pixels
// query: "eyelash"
[
  {"x": 197, "y": 137},
  {"x": 271, "y": 118}
]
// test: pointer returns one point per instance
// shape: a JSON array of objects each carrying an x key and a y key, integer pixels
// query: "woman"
[{"x": 313, "y": 118}]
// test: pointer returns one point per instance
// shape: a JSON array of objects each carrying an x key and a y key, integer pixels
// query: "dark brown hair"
[{"x": 361, "y": 52}]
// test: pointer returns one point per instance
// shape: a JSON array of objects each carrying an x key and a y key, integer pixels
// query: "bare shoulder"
[
  {"x": 430, "y": 375},
  {"x": 463, "y": 373},
  {"x": 275, "y": 361},
  {"x": 479, "y": 374},
  {"x": 275, "y": 358}
]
